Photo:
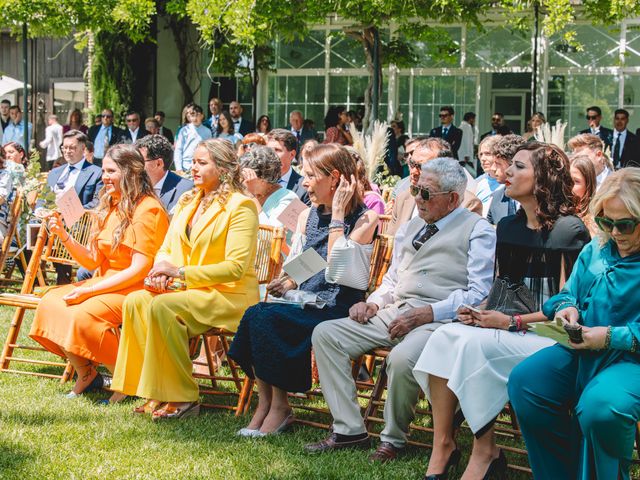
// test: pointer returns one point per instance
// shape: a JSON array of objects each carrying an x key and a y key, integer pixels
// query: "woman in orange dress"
[{"x": 80, "y": 321}]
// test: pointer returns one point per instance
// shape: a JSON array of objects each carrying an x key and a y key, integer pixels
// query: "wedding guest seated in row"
[
  {"x": 469, "y": 366},
  {"x": 273, "y": 342},
  {"x": 210, "y": 248},
  {"x": 226, "y": 129},
  {"x": 593, "y": 147},
  {"x": 284, "y": 143},
  {"x": 441, "y": 259},
  {"x": 486, "y": 183},
  {"x": 578, "y": 407},
  {"x": 80, "y": 321},
  {"x": 424, "y": 150},
  {"x": 501, "y": 205},
  {"x": 6, "y": 188},
  {"x": 583, "y": 174},
  {"x": 261, "y": 169},
  {"x": 249, "y": 141}
]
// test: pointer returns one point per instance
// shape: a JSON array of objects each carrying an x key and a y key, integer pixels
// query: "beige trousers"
[{"x": 337, "y": 342}]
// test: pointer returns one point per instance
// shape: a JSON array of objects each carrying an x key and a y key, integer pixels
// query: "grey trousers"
[{"x": 337, "y": 342}]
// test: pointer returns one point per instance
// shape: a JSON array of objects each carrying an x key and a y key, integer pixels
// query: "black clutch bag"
[{"x": 510, "y": 298}]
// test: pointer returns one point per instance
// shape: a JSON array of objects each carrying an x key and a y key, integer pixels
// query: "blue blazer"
[
  {"x": 454, "y": 137},
  {"x": 173, "y": 186},
  {"x": 88, "y": 183},
  {"x": 295, "y": 185}
]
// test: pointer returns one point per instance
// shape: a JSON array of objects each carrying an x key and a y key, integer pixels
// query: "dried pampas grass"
[{"x": 371, "y": 148}]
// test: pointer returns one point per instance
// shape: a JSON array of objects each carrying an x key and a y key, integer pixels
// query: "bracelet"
[
  {"x": 66, "y": 239},
  {"x": 607, "y": 339},
  {"x": 518, "y": 322},
  {"x": 634, "y": 345},
  {"x": 337, "y": 224}
]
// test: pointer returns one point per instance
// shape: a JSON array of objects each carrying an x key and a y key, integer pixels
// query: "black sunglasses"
[
  {"x": 407, "y": 155},
  {"x": 625, "y": 226},
  {"x": 591, "y": 117},
  {"x": 414, "y": 164},
  {"x": 424, "y": 192}
]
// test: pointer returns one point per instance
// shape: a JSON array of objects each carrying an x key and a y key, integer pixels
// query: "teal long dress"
[{"x": 578, "y": 409}]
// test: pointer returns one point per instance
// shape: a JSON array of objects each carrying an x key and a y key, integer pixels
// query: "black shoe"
[
  {"x": 338, "y": 442},
  {"x": 453, "y": 461},
  {"x": 497, "y": 468}
]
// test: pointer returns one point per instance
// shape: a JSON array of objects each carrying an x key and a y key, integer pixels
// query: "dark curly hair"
[
  {"x": 553, "y": 183},
  {"x": 507, "y": 146}
]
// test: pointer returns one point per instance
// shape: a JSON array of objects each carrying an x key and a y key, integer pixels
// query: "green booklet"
[{"x": 551, "y": 330}]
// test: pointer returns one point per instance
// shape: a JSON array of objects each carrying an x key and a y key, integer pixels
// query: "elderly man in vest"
[{"x": 442, "y": 258}]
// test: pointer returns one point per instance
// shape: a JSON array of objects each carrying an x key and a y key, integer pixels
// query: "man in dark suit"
[
  {"x": 296, "y": 125},
  {"x": 283, "y": 142},
  {"x": 240, "y": 125},
  {"x": 164, "y": 131},
  {"x": 625, "y": 151},
  {"x": 134, "y": 131},
  {"x": 447, "y": 130},
  {"x": 79, "y": 174},
  {"x": 497, "y": 126},
  {"x": 594, "y": 116},
  {"x": 158, "y": 155},
  {"x": 104, "y": 136}
]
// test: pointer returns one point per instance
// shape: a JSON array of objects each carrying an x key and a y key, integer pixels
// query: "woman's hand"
[
  {"x": 569, "y": 315},
  {"x": 593, "y": 338},
  {"x": 249, "y": 177},
  {"x": 56, "y": 226},
  {"x": 342, "y": 197},
  {"x": 78, "y": 295},
  {"x": 280, "y": 286},
  {"x": 491, "y": 319},
  {"x": 164, "y": 268},
  {"x": 464, "y": 315}
]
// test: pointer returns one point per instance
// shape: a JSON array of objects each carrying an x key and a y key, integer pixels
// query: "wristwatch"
[{"x": 181, "y": 273}]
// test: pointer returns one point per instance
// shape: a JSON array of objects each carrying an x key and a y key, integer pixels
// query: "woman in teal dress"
[{"x": 578, "y": 407}]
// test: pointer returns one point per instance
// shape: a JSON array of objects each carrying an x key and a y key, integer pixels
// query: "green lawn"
[{"x": 45, "y": 436}]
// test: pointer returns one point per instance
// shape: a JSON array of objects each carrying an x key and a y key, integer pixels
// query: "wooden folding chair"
[
  {"x": 380, "y": 261},
  {"x": 15, "y": 210},
  {"x": 384, "y": 221},
  {"x": 47, "y": 248},
  {"x": 267, "y": 265}
]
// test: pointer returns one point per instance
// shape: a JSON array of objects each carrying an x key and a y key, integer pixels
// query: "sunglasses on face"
[
  {"x": 407, "y": 155},
  {"x": 414, "y": 165},
  {"x": 591, "y": 117},
  {"x": 443, "y": 115},
  {"x": 424, "y": 192},
  {"x": 625, "y": 226}
]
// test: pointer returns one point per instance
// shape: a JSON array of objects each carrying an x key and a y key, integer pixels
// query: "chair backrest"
[
  {"x": 269, "y": 253},
  {"x": 384, "y": 222},
  {"x": 80, "y": 231},
  {"x": 14, "y": 217},
  {"x": 380, "y": 260}
]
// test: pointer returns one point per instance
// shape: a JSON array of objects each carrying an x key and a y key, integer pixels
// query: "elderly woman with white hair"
[
  {"x": 261, "y": 169},
  {"x": 596, "y": 384},
  {"x": 536, "y": 248}
]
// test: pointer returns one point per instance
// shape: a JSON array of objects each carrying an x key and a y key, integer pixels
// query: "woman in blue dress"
[
  {"x": 273, "y": 341},
  {"x": 578, "y": 407}
]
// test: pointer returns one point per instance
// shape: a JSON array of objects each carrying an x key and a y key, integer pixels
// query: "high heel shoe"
[
  {"x": 283, "y": 427},
  {"x": 497, "y": 468},
  {"x": 453, "y": 461}
]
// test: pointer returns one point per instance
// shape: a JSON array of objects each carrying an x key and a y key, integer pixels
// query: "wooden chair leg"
[
  {"x": 376, "y": 396},
  {"x": 245, "y": 396},
  {"x": 12, "y": 338},
  {"x": 210, "y": 359}
]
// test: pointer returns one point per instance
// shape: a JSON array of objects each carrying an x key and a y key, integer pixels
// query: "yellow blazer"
[{"x": 218, "y": 258}]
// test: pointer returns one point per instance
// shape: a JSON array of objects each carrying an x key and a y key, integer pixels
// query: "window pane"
[
  {"x": 601, "y": 48},
  {"x": 306, "y": 53},
  {"x": 632, "y": 56},
  {"x": 431, "y": 53},
  {"x": 346, "y": 52},
  {"x": 498, "y": 47}
]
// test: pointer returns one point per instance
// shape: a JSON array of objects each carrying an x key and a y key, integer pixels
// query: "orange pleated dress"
[{"x": 89, "y": 329}]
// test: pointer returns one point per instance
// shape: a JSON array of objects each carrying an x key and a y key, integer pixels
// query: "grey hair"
[
  {"x": 264, "y": 161},
  {"x": 451, "y": 176}
]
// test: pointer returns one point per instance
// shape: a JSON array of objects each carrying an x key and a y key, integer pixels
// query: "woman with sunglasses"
[
  {"x": 470, "y": 366},
  {"x": 578, "y": 407}
]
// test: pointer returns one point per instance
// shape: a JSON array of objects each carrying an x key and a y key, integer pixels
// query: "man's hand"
[
  {"x": 409, "y": 320},
  {"x": 361, "y": 312}
]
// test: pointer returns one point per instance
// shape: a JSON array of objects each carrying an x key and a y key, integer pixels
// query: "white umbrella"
[{"x": 8, "y": 84}]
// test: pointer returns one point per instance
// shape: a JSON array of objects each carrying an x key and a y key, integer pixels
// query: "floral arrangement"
[
  {"x": 372, "y": 149},
  {"x": 555, "y": 135},
  {"x": 34, "y": 187}
]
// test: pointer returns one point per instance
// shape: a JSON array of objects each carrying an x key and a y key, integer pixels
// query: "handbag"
[{"x": 510, "y": 298}]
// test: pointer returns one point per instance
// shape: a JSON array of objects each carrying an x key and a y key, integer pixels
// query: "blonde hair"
[
  {"x": 623, "y": 184},
  {"x": 221, "y": 153},
  {"x": 135, "y": 184}
]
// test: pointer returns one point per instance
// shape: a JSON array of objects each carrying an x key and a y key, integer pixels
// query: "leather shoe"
[
  {"x": 332, "y": 443},
  {"x": 386, "y": 452}
]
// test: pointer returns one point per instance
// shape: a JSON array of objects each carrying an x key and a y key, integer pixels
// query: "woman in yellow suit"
[{"x": 211, "y": 247}]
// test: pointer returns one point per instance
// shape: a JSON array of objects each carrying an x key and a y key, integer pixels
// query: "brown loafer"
[
  {"x": 386, "y": 452},
  {"x": 332, "y": 443}
]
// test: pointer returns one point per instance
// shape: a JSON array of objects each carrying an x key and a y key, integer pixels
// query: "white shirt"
[
  {"x": 480, "y": 264},
  {"x": 158, "y": 186},
  {"x": 52, "y": 141},
  {"x": 236, "y": 124},
  {"x": 70, "y": 181},
  {"x": 600, "y": 178},
  {"x": 134, "y": 134},
  {"x": 466, "y": 146}
]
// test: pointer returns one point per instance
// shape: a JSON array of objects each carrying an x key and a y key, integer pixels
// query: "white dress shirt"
[
  {"x": 600, "y": 178},
  {"x": 158, "y": 186},
  {"x": 480, "y": 266},
  {"x": 134, "y": 134},
  {"x": 70, "y": 181},
  {"x": 284, "y": 180}
]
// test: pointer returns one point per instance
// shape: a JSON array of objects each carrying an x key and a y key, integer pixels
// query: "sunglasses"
[
  {"x": 413, "y": 164},
  {"x": 106, "y": 116},
  {"x": 591, "y": 117},
  {"x": 407, "y": 155},
  {"x": 129, "y": 120},
  {"x": 625, "y": 226},
  {"x": 443, "y": 115},
  {"x": 424, "y": 192}
]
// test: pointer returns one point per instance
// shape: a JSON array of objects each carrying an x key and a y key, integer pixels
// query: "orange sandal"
[
  {"x": 169, "y": 411},
  {"x": 149, "y": 407}
]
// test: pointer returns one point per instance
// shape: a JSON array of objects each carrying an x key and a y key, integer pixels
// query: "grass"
[{"x": 45, "y": 436}]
